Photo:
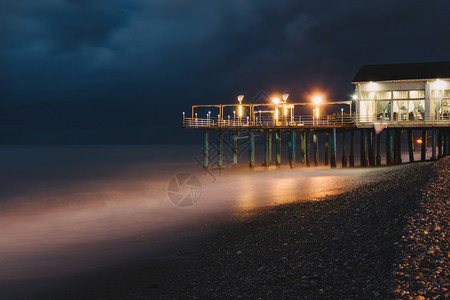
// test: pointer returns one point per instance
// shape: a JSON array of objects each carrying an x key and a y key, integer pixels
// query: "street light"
[
  {"x": 284, "y": 97},
  {"x": 276, "y": 101},
  {"x": 317, "y": 100},
  {"x": 239, "y": 98}
]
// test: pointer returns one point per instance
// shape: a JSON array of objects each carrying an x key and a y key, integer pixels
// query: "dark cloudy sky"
[{"x": 110, "y": 71}]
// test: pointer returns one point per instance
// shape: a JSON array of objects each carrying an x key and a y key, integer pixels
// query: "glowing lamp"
[
  {"x": 275, "y": 101},
  {"x": 317, "y": 100}
]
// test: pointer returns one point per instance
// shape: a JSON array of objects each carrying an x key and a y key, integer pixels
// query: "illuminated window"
[
  {"x": 400, "y": 94},
  {"x": 436, "y": 94},
  {"x": 447, "y": 93},
  {"x": 368, "y": 95},
  {"x": 419, "y": 94},
  {"x": 384, "y": 95}
]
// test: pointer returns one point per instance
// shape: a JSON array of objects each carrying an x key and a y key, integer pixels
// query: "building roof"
[{"x": 412, "y": 71}]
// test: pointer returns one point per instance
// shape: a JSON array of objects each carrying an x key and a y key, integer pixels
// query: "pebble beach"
[{"x": 386, "y": 239}]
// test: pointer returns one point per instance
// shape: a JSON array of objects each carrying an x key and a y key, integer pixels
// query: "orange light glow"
[{"x": 419, "y": 141}]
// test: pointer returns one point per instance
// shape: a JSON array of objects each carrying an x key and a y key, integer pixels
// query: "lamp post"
[
  {"x": 275, "y": 101},
  {"x": 317, "y": 100},
  {"x": 342, "y": 116},
  {"x": 240, "y": 98},
  {"x": 285, "y": 97},
  {"x": 260, "y": 120}
]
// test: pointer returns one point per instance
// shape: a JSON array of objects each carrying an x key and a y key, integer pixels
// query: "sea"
[{"x": 67, "y": 210}]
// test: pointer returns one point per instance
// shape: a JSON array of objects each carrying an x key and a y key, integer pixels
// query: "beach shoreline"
[{"x": 342, "y": 246}]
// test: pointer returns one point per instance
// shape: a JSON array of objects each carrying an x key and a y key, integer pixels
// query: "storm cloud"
[{"x": 123, "y": 71}]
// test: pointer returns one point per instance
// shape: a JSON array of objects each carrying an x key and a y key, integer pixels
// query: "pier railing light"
[
  {"x": 354, "y": 97},
  {"x": 276, "y": 101},
  {"x": 285, "y": 97},
  {"x": 239, "y": 98}
]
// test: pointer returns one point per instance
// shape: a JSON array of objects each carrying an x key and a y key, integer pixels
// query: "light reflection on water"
[{"x": 79, "y": 214}]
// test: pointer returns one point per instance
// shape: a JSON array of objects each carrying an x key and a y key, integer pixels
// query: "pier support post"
[
  {"x": 266, "y": 149},
  {"x": 352, "y": 145},
  {"x": 389, "y": 147},
  {"x": 327, "y": 148},
  {"x": 398, "y": 142},
  {"x": 364, "y": 148},
  {"x": 278, "y": 146},
  {"x": 292, "y": 148},
  {"x": 378, "y": 160},
  {"x": 439, "y": 143},
  {"x": 433, "y": 144},
  {"x": 410, "y": 144},
  {"x": 371, "y": 139},
  {"x": 220, "y": 149},
  {"x": 333, "y": 147},
  {"x": 424, "y": 145},
  {"x": 234, "y": 148},
  {"x": 251, "y": 149},
  {"x": 316, "y": 148},
  {"x": 307, "y": 143},
  {"x": 344, "y": 149},
  {"x": 302, "y": 148},
  {"x": 205, "y": 149},
  {"x": 446, "y": 146}
]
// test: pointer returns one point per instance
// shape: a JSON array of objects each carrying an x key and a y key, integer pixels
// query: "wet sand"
[{"x": 344, "y": 246}]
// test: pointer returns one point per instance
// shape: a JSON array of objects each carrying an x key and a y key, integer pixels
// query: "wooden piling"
[
  {"x": 433, "y": 144},
  {"x": 344, "y": 149},
  {"x": 327, "y": 148},
  {"x": 333, "y": 148},
  {"x": 220, "y": 149},
  {"x": 378, "y": 159},
  {"x": 307, "y": 147},
  {"x": 292, "y": 148},
  {"x": 266, "y": 148},
  {"x": 316, "y": 148},
  {"x": 410, "y": 144},
  {"x": 389, "y": 147},
  {"x": 278, "y": 147},
  {"x": 439, "y": 143},
  {"x": 352, "y": 143},
  {"x": 399, "y": 145},
  {"x": 446, "y": 146},
  {"x": 234, "y": 147},
  {"x": 270, "y": 148},
  {"x": 302, "y": 148},
  {"x": 364, "y": 148},
  {"x": 372, "y": 152},
  {"x": 251, "y": 149},
  {"x": 424, "y": 145},
  {"x": 205, "y": 149}
]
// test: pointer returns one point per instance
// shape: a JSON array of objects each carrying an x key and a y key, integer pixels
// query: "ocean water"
[{"x": 71, "y": 209}]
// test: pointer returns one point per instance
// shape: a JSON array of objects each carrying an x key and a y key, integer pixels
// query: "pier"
[
  {"x": 390, "y": 100},
  {"x": 301, "y": 133}
]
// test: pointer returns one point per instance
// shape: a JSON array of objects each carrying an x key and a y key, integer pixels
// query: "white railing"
[
  {"x": 400, "y": 119},
  {"x": 296, "y": 121}
]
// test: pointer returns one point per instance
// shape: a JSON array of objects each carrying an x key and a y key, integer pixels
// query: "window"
[
  {"x": 447, "y": 94},
  {"x": 419, "y": 94},
  {"x": 384, "y": 95},
  {"x": 368, "y": 95},
  {"x": 436, "y": 94},
  {"x": 400, "y": 94}
]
